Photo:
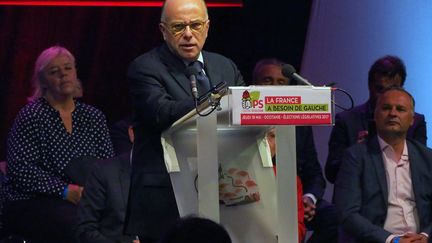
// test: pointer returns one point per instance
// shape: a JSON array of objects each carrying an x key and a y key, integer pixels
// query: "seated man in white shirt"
[{"x": 383, "y": 191}]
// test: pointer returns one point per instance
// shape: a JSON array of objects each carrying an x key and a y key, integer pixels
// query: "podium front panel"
[
  {"x": 250, "y": 216},
  {"x": 253, "y": 205}
]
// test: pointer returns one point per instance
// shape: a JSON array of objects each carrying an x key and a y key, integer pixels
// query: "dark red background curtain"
[{"x": 105, "y": 39}]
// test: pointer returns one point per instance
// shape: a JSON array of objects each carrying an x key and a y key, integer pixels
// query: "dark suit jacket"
[
  {"x": 120, "y": 136},
  {"x": 361, "y": 189},
  {"x": 102, "y": 208},
  {"x": 345, "y": 133},
  {"x": 308, "y": 167},
  {"x": 161, "y": 94}
]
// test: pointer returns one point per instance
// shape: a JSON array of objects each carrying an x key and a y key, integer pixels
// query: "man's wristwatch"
[{"x": 396, "y": 239}]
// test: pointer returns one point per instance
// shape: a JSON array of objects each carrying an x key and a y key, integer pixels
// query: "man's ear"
[
  {"x": 162, "y": 30},
  {"x": 207, "y": 27}
]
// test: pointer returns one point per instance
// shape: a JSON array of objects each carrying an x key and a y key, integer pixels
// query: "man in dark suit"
[
  {"x": 383, "y": 191},
  {"x": 320, "y": 215},
  {"x": 102, "y": 208},
  {"x": 161, "y": 94},
  {"x": 354, "y": 126}
]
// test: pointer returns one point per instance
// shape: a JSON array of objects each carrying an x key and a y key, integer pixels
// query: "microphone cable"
[
  {"x": 349, "y": 97},
  {"x": 214, "y": 106}
]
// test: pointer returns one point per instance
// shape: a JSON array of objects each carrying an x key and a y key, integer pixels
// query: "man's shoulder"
[
  {"x": 355, "y": 112},
  {"x": 413, "y": 143},
  {"x": 213, "y": 54},
  {"x": 115, "y": 161},
  {"x": 148, "y": 57},
  {"x": 216, "y": 57},
  {"x": 418, "y": 117},
  {"x": 365, "y": 147},
  {"x": 420, "y": 155},
  {"x": 108, "y": 169},
  {"x": 157, "y": 61},
  {"x": 223, "y": 67}
]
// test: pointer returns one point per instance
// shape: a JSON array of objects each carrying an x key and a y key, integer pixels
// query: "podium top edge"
[{"x": 273, "y": 87}]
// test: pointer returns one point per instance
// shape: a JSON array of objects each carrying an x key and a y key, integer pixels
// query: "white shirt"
[{"x": 402, "y": 214}]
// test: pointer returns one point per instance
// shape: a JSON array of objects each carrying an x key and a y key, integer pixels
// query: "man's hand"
[
  {"x": 74, "y": 193},
  {"x": 413, "y": 238},
  {"x": 309, "y": 208}
]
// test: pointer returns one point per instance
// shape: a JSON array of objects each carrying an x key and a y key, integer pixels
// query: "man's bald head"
[{"x": 172, "y": 5}]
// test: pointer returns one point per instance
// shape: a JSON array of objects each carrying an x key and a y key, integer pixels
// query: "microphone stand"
[{"x": 210, "y": 99}]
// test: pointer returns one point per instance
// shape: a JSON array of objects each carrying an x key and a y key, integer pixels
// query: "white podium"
[{"x": 221, "y": 168}]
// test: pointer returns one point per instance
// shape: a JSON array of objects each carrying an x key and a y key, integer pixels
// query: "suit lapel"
[
  {"x": 176, "y": 68},
  {"x": 124, "y": 176},
  {"x": 377, "y": 161},
  {"x": 415, "y": 169},
  {"x": 211, "y": 70}
]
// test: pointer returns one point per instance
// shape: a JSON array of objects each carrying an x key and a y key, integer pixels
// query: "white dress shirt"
[{"x": 402, "y": 214}]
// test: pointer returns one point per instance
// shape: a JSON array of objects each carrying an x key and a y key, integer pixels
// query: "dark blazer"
[
  {"x": 161, "y": 94},
  {"x": 120, "y": 135},
  {"x": 361, "y": 189},
  {"x": 308, "y": 167},
  {"x": 102, "y": 208},
  {"x": 346, "y": 130}
]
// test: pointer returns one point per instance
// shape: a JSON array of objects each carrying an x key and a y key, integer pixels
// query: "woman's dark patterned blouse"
[{"x": 39, "y": 148}]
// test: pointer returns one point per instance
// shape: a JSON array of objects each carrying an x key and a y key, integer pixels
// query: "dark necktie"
[{"x": 203, "y": 83}]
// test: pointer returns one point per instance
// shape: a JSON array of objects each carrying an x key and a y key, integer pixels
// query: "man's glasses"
[{"x": 196, "y": 26}]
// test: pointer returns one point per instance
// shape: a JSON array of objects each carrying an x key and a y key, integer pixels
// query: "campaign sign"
[{"x": 280, "y": 105}]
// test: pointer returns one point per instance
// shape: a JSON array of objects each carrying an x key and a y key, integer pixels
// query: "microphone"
[
  {"x": 191, "y": 73},
  {"x": 290, "y": 72}
]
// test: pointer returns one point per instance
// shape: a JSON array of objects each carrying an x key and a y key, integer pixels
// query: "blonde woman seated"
[{"x": 52, "y": 130}]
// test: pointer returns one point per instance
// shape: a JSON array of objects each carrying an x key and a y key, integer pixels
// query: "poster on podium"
[{"x": 283, "y": 105}]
